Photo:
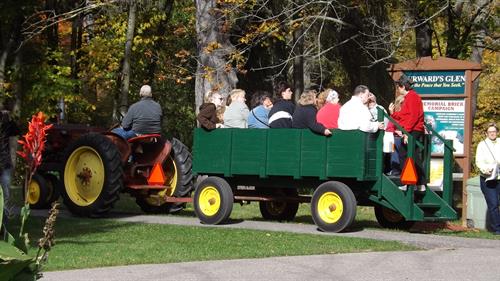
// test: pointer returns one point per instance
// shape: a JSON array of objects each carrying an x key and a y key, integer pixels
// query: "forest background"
[{"x": 88, "y": 59}]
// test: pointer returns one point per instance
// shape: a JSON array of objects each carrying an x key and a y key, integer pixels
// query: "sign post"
[{"x": 445, "y": 86}]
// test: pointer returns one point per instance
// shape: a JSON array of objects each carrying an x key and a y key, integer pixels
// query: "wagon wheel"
[
  {"x": 92, "y": 176},
  {"x": 280, "y": 210},
  {"x": 390, "y": 219},
  {"x": 38, "y": 192},
  {"x": 213, "y": 200},
  {"x": 333, "y": 206},
  {"x": 178, "y": 172}
]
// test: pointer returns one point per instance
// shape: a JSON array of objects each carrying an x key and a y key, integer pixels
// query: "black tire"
[
  {"x": 92, "y": 176},
  {"x": 388, "y": 218},
  {"x": 280, "y": 210},
  {"x": 184, "y": 185},
  {"x": 213, "y": 200},
  {"x": 333, "y": 206},
  {"x": 38, "y": 192},
  {"x": 55, "y": 187}
]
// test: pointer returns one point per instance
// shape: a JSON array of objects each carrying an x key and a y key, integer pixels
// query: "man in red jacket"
[{"x": 412, "y": 120}]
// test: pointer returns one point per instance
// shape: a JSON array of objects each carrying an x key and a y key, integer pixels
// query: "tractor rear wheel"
[
  {"x": 388, "y": 218},
  {"x": 280, "y": 210},
  {"x": 333, "y": 206},
  {"x": 92, "y": 176},
  {"x": 213, "y": 200},
  {"x": 178, "y": 171}
]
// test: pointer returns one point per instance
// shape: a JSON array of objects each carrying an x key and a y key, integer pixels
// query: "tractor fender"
[{"x": 121, "y": 144}]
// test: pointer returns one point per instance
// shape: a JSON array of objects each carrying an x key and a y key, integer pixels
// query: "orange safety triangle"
[
  {"x": 409, "y": 174},
  {"x": 157, "y": 176}
]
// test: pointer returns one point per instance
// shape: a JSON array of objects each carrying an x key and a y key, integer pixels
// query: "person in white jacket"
[
  {"x": 355, "y": 115},
  {"x": 488, "y": 162}
]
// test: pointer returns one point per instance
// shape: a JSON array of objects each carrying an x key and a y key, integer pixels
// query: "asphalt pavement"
[{"x": 444, "y": 258}]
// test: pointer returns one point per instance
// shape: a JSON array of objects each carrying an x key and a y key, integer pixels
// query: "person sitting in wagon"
[
  {"x": 304, "y": 116},
  {"x": 280, "y": 115},
  {"x": 328, "y": 115},
  {"x": 143, "y": 117},
  {"x": 355, "y": 115},
  {"x": 236, "y": 114},
  {"x": 207, "y": 117},
  {"x": 262, "y": 104}
]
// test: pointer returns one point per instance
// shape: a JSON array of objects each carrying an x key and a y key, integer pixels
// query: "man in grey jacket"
[{"x": 143, "y": 117}]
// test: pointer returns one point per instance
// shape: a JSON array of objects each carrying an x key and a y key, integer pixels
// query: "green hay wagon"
[{"x": 344, "y": 171}]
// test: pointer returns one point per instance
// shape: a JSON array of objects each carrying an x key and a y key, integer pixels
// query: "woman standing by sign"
[{"x": 488, "y": 162}]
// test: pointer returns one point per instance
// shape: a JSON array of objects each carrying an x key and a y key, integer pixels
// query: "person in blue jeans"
[
  {"x": 488, "y": 162},
  {"x": 143, "y": 117}
]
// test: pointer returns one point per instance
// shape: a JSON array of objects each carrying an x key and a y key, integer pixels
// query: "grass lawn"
[{"x": 86, "y": 243}]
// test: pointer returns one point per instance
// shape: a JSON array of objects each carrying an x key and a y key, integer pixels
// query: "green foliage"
[{"x": 488, "y": 103}]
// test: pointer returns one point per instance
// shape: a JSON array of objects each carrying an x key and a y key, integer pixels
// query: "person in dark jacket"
[
  {"x": 207, "y": 117},
  {"x": 280, "y": 115},
  {"x": 304, "y": 116},
  {"x": 143, "y": 117},
  {"x": 8, "y": 128}
]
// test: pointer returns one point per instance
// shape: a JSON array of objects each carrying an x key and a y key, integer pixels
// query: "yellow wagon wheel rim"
[
  {"x": 84, "y": 176},
  {"x": 330, "y": 207},
  {"x": 33, "y": 192},
  {"x": 209, "y": 201}
]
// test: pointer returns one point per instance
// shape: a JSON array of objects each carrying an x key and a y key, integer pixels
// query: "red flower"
[{"x": 33, "y": 142}]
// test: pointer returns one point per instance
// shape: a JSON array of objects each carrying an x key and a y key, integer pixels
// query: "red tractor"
[{"x": 97, "y": 166}]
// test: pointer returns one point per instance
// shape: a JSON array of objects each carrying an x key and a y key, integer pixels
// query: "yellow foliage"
[{"x": 212, "y": 46}]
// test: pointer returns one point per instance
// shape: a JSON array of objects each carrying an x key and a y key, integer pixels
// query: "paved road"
[{"x": 446, "y": 258}]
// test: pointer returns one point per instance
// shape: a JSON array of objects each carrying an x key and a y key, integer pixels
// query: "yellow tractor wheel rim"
[
  {"x": 330, "y": 207},
  {"x": 209, "y": 201},
  {"x": 33, "y": 192},
  {"x": 171, "y": 174},
  {"x": 84, "y": 176}
]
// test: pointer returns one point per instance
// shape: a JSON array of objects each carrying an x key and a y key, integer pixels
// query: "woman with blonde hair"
[
  {"x": 236, "y": 114},
  {"x": 394, "y": 109},
  {"x": 304, "y": 115}
]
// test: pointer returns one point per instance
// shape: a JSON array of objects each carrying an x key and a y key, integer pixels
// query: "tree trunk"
[
  {"x": 423, "y": 34},
  {"x": 52, "y": 32},
  {"x": 125, "y": 77},
  {"x": 298, "y": 63},
  {"x": 213, "y": 70},
  {"x": 423, "y": 31}
]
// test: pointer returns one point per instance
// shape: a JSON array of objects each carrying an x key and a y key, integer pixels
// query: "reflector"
[
  {"x": 409, "y": 173},
  {"x": 157, "y": 176}
]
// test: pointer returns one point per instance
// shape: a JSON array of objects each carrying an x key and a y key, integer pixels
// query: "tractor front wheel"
[
  {"x": 92, "y": 176},
  {"x": 333, "y": 206},
  {"x": 213, "y": 200},
  {"x": 38, "y": 192}
]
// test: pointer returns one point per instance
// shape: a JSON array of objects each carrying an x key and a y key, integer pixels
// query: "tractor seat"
[{"x": 146, "y": 138}]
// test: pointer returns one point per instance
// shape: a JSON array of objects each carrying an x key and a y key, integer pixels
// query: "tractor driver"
[{"x": 143, "y": 117}]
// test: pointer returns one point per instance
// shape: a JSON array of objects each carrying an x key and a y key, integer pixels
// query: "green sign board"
[
  {"x": 447, "y": 118},
  {"x": 438, "y": 82}
]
